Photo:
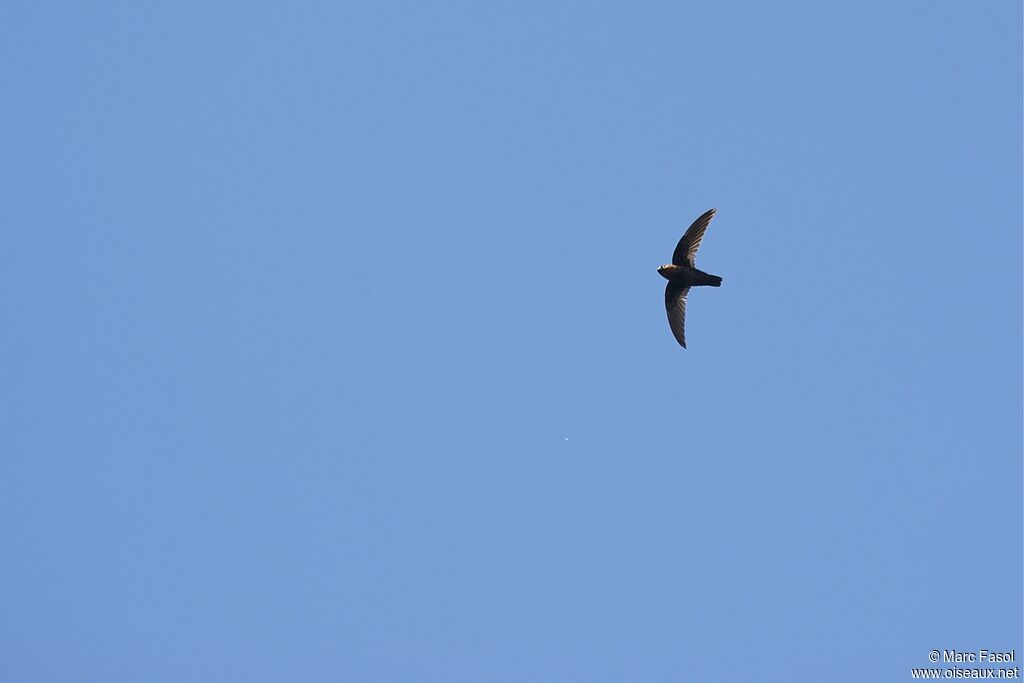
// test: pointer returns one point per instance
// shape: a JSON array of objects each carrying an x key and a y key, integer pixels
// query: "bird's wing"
[
  {"x": 686, "y": 251},
  {"x": 675, "y": 304}
]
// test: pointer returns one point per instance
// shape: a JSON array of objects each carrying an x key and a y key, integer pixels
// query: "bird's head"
[{"x": 666, "y": 270}]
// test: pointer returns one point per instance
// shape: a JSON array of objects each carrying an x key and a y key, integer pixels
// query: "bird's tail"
[{"x": 714, "y": 281}]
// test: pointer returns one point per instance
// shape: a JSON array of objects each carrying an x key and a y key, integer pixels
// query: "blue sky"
[{"x": 334, "y": 348}]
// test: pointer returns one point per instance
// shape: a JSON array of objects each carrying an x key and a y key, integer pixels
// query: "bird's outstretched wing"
[
  {"x": 675, "y": 304},
  {"x": 686, "y": 251}
]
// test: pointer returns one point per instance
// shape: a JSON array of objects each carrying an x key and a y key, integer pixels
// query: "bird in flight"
[{"x": 682, "y": 274}]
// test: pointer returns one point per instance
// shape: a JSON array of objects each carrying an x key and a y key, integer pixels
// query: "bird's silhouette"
[{"x": 682, "y": 274}]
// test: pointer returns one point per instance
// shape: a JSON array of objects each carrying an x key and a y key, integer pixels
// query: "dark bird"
[{"x": 682, "y": 274}]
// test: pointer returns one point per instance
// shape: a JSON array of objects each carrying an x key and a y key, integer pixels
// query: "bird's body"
[
  {"x": 689, "y": 277},
  {"x": 682, "y": 274}
]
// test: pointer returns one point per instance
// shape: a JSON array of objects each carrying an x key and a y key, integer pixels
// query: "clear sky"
[{"x": 333, "y": 346}]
